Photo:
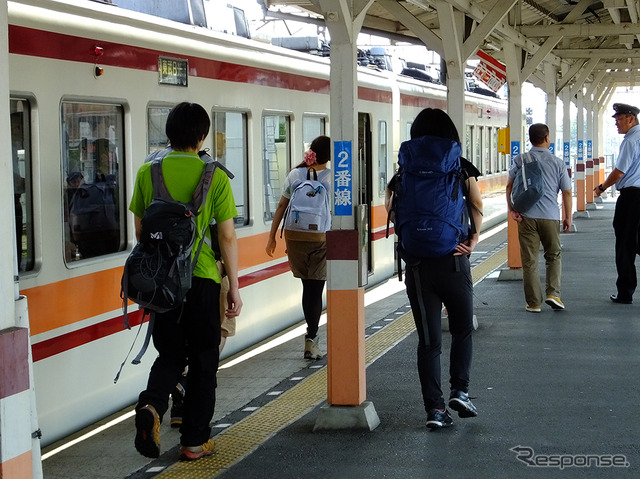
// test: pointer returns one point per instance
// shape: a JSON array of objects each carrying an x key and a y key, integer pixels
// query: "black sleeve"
[{"x": 468, "y": 167}]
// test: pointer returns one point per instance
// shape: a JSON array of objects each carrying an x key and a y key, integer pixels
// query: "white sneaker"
[{"x": 311, "y": 349}]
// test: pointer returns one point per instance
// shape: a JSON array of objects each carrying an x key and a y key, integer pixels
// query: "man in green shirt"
[{"x": 189, "y": 335}]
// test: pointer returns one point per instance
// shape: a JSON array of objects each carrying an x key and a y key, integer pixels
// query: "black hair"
[
  {"x": 187, "y": 124},
  {"x": 321, "y": 146},
  {"x": 537, "y": 133},
  {"x": 434, "y": 122}
]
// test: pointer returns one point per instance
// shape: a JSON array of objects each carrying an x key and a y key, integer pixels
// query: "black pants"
[
  {"x": 626, "y": 225},
  {"x": 312, "y": 304},
  {"x": 442, "y": 280},
  {"x": 194, "y": 340}
]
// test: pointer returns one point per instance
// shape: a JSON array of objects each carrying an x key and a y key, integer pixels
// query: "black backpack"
[{"x": 157, "y": 273}]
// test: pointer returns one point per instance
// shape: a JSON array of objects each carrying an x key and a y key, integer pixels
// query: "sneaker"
[
  {"x": 311, "y": 349},
  {"x": 177, "y": 401},
  {"x": 555, "y": 303},
  {"x": 617, "y": 299},
  {"x": 459, "y": 401},
  {"x": 437, "y": 418},
  {"x": 147, "y": 440},
  {"x": 533, "y": 309},
  {"x": 192, "y": 453}
]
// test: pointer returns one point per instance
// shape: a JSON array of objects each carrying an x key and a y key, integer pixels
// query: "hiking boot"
[
  {"x": 555, "y": 303},
  {"x": 459, "y": 401},
  {"x": 147, "y": 440},
  {"x": 193, "y": 453},
  {"x": 311, "y": 349},
  {"x": 437, "y": 418},
  {"x": 533, "y": 309},
  {"x": 177, "y": 401}
]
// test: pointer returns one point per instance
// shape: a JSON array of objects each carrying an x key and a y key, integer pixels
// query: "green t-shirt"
[{"x": 182, "y": 172}]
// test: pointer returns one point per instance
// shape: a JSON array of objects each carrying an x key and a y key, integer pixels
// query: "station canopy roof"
[{"x": 589, "y": 42}]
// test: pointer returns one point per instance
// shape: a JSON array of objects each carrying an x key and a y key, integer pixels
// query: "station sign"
[
  {"x": 343, "y": 179},
  {"x": 490, "y": 71}
]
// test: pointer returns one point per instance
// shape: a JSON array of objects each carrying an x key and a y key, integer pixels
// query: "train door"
[{"x": 364, "y": 194}]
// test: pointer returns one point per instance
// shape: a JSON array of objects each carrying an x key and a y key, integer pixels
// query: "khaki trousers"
[{"x": 532, "y": 232}]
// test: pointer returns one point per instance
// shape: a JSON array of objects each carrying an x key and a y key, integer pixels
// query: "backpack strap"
[
  {"x": 157, "y": 181},
  {"x": 199, "y": 197},
  {"x": 315, "y": 174}
]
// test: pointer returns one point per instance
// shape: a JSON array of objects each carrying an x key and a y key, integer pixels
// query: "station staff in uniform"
[{"x": 626, "y": 220}]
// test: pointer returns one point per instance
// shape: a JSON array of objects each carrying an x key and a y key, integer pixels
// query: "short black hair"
[
  {"x": 434, "y": 122},
  {"x": 537, "y": 133},
  {"x": 187, "y": 124}
]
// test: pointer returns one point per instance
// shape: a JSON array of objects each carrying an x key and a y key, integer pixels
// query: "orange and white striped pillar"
[
  {"x": 19, "y": 449},
  {"x": 589, "y": 178},
  {"x": 596, "y": 177},
  {"x": 19, "y": 434},
  {"x": 346, "y": 379}
]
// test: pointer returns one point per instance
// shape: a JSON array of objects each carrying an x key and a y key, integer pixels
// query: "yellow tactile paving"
[{"x": 239, "y": 440}]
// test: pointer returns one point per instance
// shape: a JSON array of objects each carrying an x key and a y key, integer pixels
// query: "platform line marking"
[{"x": 244, "y": 437}]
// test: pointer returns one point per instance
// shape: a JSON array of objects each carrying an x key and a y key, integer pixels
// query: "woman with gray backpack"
[{"x": 305, "y": 209}]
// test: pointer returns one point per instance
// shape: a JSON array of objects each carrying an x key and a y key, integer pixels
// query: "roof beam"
[
  {"x": 475, "y": 12},
  {"x": 603, "y": 53},
  {"x": 485, "y": 27},
  {"x": 428, "y": 37},
  {"x": 580, "y": 30}
]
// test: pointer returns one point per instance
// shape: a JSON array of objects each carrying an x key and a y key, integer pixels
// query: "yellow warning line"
[{"x": 239, "y": 440}]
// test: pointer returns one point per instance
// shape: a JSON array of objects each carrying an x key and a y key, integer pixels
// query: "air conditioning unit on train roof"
[{"x": 217, "y": 15}]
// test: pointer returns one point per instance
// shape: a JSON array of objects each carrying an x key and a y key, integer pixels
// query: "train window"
[
  {"x": 22, "y": 182},
  {"x": 276, "y": 150},
  {"x": 478, "y": 159},
  {"x": 312, "y": 127},
  {"x": 382, "y": 157},
  {"x": 156, "y": 124},
  {"x": 93, "y": 177},
  {"x": 468, "y": 147},
  {"x": 230, "y": 148}
]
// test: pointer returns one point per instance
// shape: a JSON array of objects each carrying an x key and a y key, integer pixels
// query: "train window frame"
[
  {"x": 308, "y": 132},
  {"x": 110, "y": 183},
  {"x": 240, "y": 181},
  {"x": 163, "y": 140},
  {"x": 383, "y": 156},
  {"x": 271, "y": 195},
  {"x": 21, "y": 111}
]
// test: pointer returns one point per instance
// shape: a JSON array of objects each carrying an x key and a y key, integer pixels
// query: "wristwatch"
[{"x": 601, "y": 188}]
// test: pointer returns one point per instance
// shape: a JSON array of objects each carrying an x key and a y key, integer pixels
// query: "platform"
[{"x": 556, "y": 392}]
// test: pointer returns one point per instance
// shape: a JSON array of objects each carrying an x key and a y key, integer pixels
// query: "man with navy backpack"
[
  {"x": 190, "y": 334},
  {"x": 541, "y": 222}
]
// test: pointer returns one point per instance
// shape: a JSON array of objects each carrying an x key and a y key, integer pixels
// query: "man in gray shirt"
[{"x": 541, "y": 223}]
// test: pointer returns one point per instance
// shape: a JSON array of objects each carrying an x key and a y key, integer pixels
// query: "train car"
[{"x": 91, "y": 86}]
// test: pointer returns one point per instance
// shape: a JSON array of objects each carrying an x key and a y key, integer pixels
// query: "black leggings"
[{"x": 312, "y": 304}]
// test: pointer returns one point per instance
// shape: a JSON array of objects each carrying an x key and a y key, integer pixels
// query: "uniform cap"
[{"x": 622, "y": 108}]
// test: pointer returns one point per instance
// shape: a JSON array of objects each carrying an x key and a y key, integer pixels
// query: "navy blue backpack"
[{"x": 431, "y": 218}]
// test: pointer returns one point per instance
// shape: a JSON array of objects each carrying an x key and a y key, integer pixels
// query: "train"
[{"x": 91, "y": 86}]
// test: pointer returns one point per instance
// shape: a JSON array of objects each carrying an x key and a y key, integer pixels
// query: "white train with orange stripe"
[{"x": 90, "y": 86}]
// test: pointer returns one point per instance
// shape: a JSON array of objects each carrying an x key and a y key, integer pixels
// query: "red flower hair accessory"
[{"x": 310, "y": 157}]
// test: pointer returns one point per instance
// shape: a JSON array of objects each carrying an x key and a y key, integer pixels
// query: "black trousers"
[
  {"x": 193, "y": 340},
  {"x": 626, "y": 225},
  {"x": 442, "y": 280}
]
